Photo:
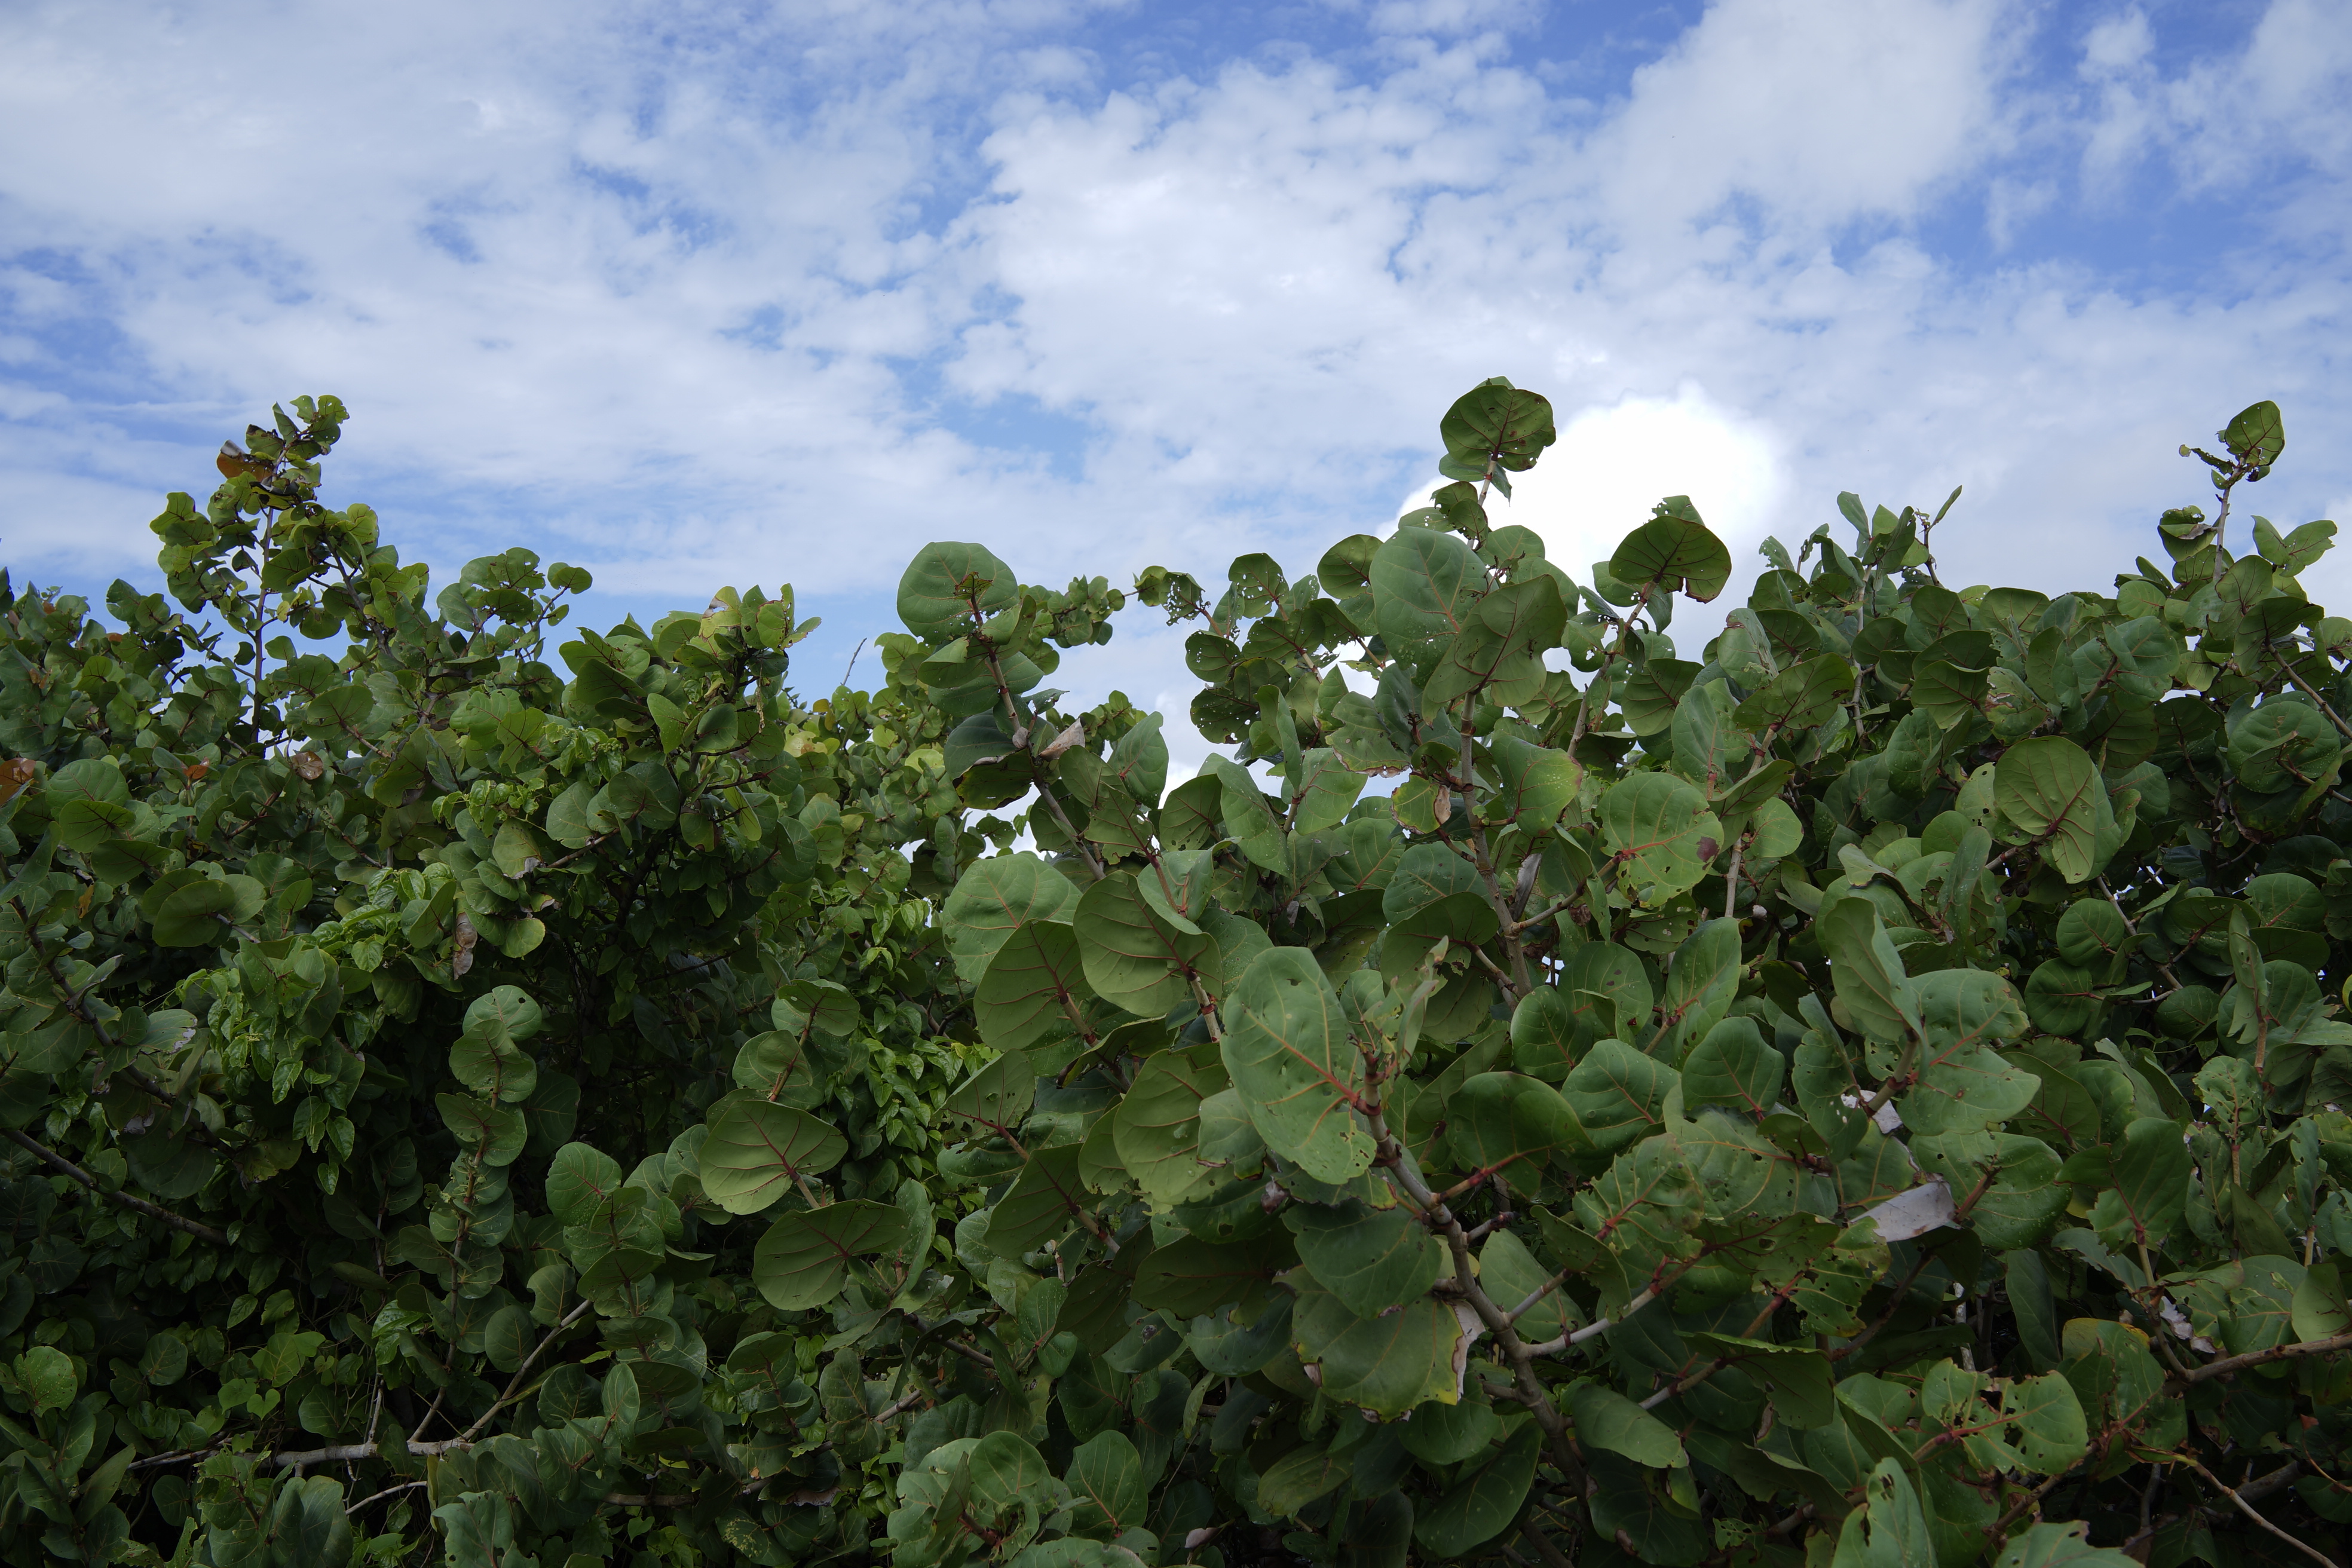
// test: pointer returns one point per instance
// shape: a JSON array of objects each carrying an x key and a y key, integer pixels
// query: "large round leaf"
[
  {"x": 804, "y": 1259},
  {"x": 1733, "y": 1065},
  {"x": 942, "y": 584},
  {"x": 1287, "y": 1051},
  {"x": 2284, "y": 744},
  {"x": 579, "y": 1178},
  {"x": 1371, "y": 1259},
  {"x": 1389, "y": 1363},
  {"x": 1131, "y": 956},
  {"x": 757, "y": 1151},
  {"x": 1108, "y": 1492},
  {"x": 1498, "y": 422},
  {"x": 1425, "y": 585},
  {"x": 996, "y": 897},
  {"x": 1482, "y": 1505},
  {"x": 1033, "y": 984},
  {"x": 1660, "y": 826},
  {"x": 1156, "y": 1129},
  {"x": 1675, "y": 550},
  {"x": 2049, "y": 792},
  {"x": 1799, "y": 697},
  {"x": 204, "y": 910}
]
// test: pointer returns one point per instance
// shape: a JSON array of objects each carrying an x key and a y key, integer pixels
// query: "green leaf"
[
  {"x": 1867, "y": 971},
  {"x": 2026, "y": 1196},
  {"x": 1034, "y": 983},
  {"x": 1132, "y": 958},
  {"x": 1896, "y": 1529},
  {"x": 804, "y": 1259},
  {"x": 1539, "y": 784},
  {"x": 2047, "y": 1419},
  {"x": 2257, "y": 434},
  {"x": 1675, "y": 551},
  {"x": 1287, "y": 1051},
  {"x": 1543, "y": 1034},
  {"x": 996, "y": 1096},
  {"x": 1425, "y": 585},
  {"x": 1511, "y": 1275},
  {"x": 1607, "y": 1419},
  {"x": 2090, "y": 931},
  {"x": 205, "y": 911},
  {"x": 1963, "y": 1084},
  {"x": 48, "y": 1378},
  {"x": 944, "y": 582},
  {"x": 759, "y": 1150},
  {"x": 1370, "y": 1259},
  {"x": 1733, "y": 1067},
  {"x": 1646, "y": 1204},
  {"x": 2044, "y": 1546},
  {"x": 2283, "y": 744},
  {"x": 1006, "y": 1471},
  {"x": 1435, "y": 892},
  {"x": 491, "y": 1134},
  {"x": 1482, "y": 1505},
  {"x": 1799, "y": 697},
  {"x": 2049, "y": 793},
  {"x": 493, "y": 1067},
  {"x": 510, "y": 1337},
  {"x": 1299, "y": 1478},
  {"x": 1701, "y": 981},
  {"x": 1500, "y": 656},
  {"x": 1247, "y": 817},
  {"x": 1441, "y": 1434},
  {"x": 1041, "y": 1205},
  {"x": 1192, "y": 1277},
  {"x": 1797, "y": 1376},
  {"x": 1156, "y": 1129},
  {"x": 1388, "y": 1364},
  {"x": 2150, "y": 1172},
  {"x": 1498, "y": 1119},
  {"x": 1108, "y": 1488},
  {"x": 579, "y": 1178},
  {"x": 1498, "y": 422},
  {"x": 1332, "y": 789},
  {"x": 1619, "y": 1095},
  {"x": 1659, "y": 831},
  {"x": 996, "y": 897}
]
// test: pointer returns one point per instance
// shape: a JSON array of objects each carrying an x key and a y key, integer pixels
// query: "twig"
[
  {"x": 379, "y": 1496},
  {"x": 1553, "y": 1555},
  {"x": 136, "y": 1205},
  {"x": 2248, "y": 1509},
  {"x": 524, "y": 1370}
]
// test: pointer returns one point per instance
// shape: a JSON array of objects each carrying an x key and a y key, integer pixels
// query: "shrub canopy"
[{"x": 1866, "y": 1093}]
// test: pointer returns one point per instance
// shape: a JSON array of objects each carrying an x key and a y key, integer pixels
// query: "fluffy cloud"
[{"x": 758, "y": 292}]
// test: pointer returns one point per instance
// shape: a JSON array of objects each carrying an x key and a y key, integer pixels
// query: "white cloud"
[
  {"x": 750, "y": 293},
  {"x": 1821, "y": 110}
]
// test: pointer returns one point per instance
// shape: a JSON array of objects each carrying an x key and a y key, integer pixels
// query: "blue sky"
[{"x": 710, "y": 293}]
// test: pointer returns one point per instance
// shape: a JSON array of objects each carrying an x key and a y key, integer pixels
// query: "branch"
[
  {"x": 524, "y": 1370},
  {"x": 2228, "y": 1364},
  {"x": 136, "y": 1205},
  {"x": 1515, "y": 1350},
  {"x": 2248, "y": 1509}
]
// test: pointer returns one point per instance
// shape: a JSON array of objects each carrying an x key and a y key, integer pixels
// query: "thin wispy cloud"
[{"x": 730, "y": 293}]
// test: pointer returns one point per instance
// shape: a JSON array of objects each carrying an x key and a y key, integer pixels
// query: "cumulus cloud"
[{"x": 742, "y": 291}]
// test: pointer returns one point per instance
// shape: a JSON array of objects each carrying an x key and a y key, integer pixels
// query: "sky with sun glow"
[{"x": 711, "y": 292}]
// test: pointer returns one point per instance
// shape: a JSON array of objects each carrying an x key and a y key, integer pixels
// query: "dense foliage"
[{"x": 1867, "y": 1094}]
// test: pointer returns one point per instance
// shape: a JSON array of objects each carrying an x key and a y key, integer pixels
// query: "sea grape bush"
[{"x": 1869, "y": 1093}]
